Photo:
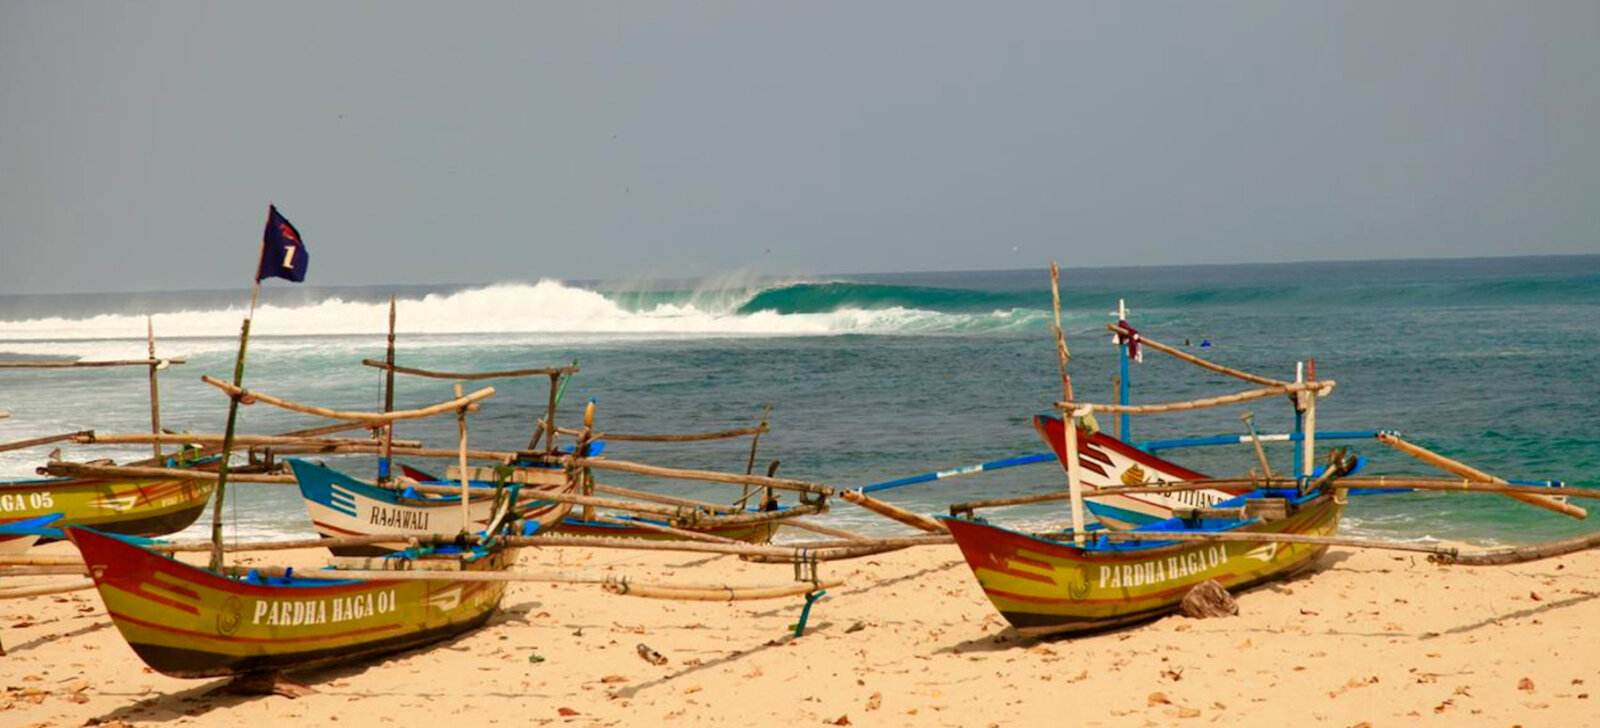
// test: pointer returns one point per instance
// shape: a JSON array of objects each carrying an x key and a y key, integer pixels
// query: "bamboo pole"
[
  {"x": 1074, "y": 472},
  {"x": 471, "y": 376},
  {"x": 90, "y": 437},
  {"x": 1375, "y": 482},
  {"x": 724, "y": 594},
  {"x": 39, "y": 560},
  {"x": 1255, "y": 439},
  {"x": 234, "y": 399},
  {"x": 72, "y": 364},
  {"x": 1505, "y": 555},
  {"x": 670, "y": 500},
  {"x": 369, "y": 417},
  {"x": 498, "y": 456},
  {"x": 827, "y": 530},
  {"x": 610, "y": 582},
  {"x": 44, "y": 590},
  {"x": 307, "y": 432},
  {"x": 706, "y": 475},
  {"x": 549, "y": 416},
  {"x": 461, "y": 461},
  {"x": 128, "y": 471},
  {"x": 688, "y": 437},
  {"x": 1197, "y": 361},
  {"x": 155, "y": 388},
  {"x": 1256, "y": 537},
  {"x": 1061, "y": 338},
  {"x": 385, "y": 471},
  {"x": 37, "y": 441},
  {"x": 1308, "y": 443},
  {"x": 914, "y": 520},
  {"x": 46, "y": 570},
  {"x": 665, "y": 530},
  {"x": 1467, "y": 471},
  {"x": 1323, "y": 387}
]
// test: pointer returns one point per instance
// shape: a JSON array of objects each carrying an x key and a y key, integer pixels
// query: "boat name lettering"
[
  {"x": 405, "y": 518},
  {"x": 1145, "y": 573},
  {"x": 26, "y": 501},
  {"x": 296, "y": 612}
]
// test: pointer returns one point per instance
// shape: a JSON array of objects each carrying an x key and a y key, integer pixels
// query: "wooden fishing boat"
[
  {"x": 1046, "y": 585},
  {"x": 340, "y": 505},
  {"x": 129, "y": 506},
  {"x": 186, "y": 621}
]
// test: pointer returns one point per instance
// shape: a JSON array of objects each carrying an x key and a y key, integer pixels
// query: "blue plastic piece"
[{"x": 805, "y": 612}]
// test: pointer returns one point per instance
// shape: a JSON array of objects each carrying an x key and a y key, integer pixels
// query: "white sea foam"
[{"x": 547, "y": 308}]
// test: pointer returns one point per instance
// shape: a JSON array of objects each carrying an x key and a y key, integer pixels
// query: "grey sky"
[{"x": 457, "y": 142}]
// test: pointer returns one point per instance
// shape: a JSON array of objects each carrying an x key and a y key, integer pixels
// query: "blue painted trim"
[
  {"x": 1155, "y": 445},
  {"x": 1010, "y": 462}
]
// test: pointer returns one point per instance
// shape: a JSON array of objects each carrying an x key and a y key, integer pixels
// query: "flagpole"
[{"x": 227, "y": 437}]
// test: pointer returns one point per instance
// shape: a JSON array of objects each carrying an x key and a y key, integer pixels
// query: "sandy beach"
[{"x": 1369, "y": 638}]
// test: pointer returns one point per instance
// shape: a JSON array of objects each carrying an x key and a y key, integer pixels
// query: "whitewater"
[{"x": 875, "y": 377}]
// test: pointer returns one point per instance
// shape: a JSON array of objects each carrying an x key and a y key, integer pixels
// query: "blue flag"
[{"x": 283, "y": 254}]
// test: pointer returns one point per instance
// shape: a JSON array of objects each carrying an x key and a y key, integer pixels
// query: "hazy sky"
[{"x": 140, "y": 143}]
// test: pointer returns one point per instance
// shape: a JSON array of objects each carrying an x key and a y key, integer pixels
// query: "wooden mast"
[
  {"x": 227, "y": 435},
  {"x": 155, "y": 389},
  {"x": 1071, "y": 414},
  {"x": 385, "y": 469}
]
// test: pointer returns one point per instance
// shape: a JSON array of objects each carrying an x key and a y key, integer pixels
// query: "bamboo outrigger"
[{"x": 1249, "y": 530}]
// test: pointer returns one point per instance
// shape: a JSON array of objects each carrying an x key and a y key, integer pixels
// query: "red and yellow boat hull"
[
  {"x": 128, "y": 506},
  {"x": 1043, "y": 586},
  {"x": 185, "y": 621}
]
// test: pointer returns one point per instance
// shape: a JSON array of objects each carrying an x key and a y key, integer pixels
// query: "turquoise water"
[{"x": 1492, "y": 361}]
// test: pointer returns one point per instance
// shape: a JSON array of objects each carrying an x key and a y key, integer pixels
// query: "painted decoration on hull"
[
  {"x": 185, "y": 621},
  {"x": 127, "y": 506},
  {"x": 1109, "y": 462},
  {"x": 340, "y": 505},
  {"x": 1043, "y": 586}
]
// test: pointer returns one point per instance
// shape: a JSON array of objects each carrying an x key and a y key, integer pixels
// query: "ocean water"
[{"x": 872, "y": 377}]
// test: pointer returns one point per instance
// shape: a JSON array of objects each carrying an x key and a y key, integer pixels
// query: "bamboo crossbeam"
[
  {"x": 307, "y": 432},
  {"x": 914, "y": 520},
  {"x": 1505, "y": 555},
  {"x": 37, "y": 441},
  {"x": 39, "y": 560},
  {"x": 1322, "y": 387},
  {"x": 610, "y": 582},
  {"x": 369, "y": 417},
  {"x": 419, "y": 452},
  {"x": 45, "y": 589},
  {"x": 632, "y": 544},
  {"x": 1467, "y": 471},
  {"x": 827, "y": 530},
  {"x": 1376, "y": 482},
  {"x": 666, "y": 530},
  {"x": 64, "y": 469},
  {"x": 749, "y": 519},
  {"x": 724, "y": 594},
  {"x": 90, "y": 437},
  {"x": 549, "y": 371},
  {"x": 1195, "y": 360},
  {"x": 1252, "y": 537},
  {"x": 707, "y": 475},
  {"x": 45, "y": 570},
  {"x": 931, "y": 539},
  {"x": 72, "y": 364},
  {"x": 690, "y": 437},
  {"x": 659, "y": 498}
]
